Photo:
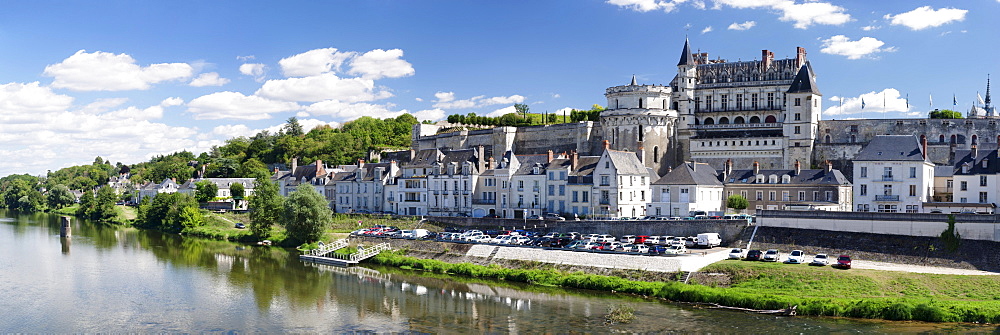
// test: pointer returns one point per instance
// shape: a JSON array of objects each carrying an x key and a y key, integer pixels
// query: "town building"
[
  {"x": 797, "y": 188},
  {"x": 689, "y": 187},
  {"x": 361, "y": 189},
  {"x": 892, "y": 174}
]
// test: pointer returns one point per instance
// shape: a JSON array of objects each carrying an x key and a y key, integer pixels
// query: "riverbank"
[{"x": 817, "y": 291}]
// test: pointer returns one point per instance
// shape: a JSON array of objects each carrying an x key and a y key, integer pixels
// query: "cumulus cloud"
[
  {"x": 869, "y": 28},
  {"x": 649, "y": 5},
  {"x": 105, "y": 71},
  {"x": 706, "y": 30},
  {"x": 326, "y": 86},
  {"x": 208, "y": 79},
  {"x": 174, "y": 101},
  {"x": 314, "y": 62},
  {"x": 802, "y": 15},
  {"x": 926, "y": 17},
  {"x": 873, "y": 102},
  {"x": 502, "y": 111},
  {"x": 843, "y": 46},
  {"x": 235, "y": 105},
  {"x": 17, "y": 98},
  {"x": 378, "y": 63},
  {"x": 345, "y": 111},
  {"x": 742, "y": 26},
  {"x": 447, "y": 100},
  {"x": 254, "y": 70},
  {"x": 429, "y": 114}
]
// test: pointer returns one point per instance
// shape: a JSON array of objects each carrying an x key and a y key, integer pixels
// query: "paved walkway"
[{"x": 859, "y": 264}]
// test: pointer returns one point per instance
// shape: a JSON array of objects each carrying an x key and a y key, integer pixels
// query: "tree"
[
  {"x": 104, "y": 205},
  {"x": 945, "y": 114},
  {"x": 86, "y": 204},
  {"x": 171, "y": 212},
  {"x": 236, "y": 190},
  {"x": 265, "y": 207},
  {"x": 306, "y": 214},
  {"x": 59, "y": 196},
  {"x": 521, "y": 109},
  {"x": 205, "y": 191},
  {"x": 737, "y": 202},
  {"x": 293, "y": 128}
]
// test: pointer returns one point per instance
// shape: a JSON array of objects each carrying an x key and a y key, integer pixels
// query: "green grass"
[
  {"x": 222, "y": 226},
  {"x": 816, "y": 291}
]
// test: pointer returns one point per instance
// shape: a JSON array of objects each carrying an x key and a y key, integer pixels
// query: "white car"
[
  {"x": 820, "y": 260},
  {"x": 628, "y": 239},
  {"x": 641, "y": 248},
  {"x": 591, "y": 237},
  {"x": 605, "y": 238},
  {"x": 796, "y": 257},
  {"x": 481, "y": 239},
  {"x": 676, "y": 249},
  {"x": 519, "y": 240},
  {"x": 771, "y": 255},
  {"x": 627, "y": 247},
  {"x": 502, "y": 239},
  {"x": 736, "y": 253}
]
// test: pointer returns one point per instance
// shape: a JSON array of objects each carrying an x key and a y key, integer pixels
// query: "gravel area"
[{"x": 873, "y": 265}]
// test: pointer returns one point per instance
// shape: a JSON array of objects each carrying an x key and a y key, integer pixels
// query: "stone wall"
[{"x": 969, "y": 226}]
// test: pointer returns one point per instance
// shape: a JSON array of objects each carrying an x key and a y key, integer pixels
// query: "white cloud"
[
  {"x": 234, "y": 105},
  {"x": 429, "y": 114},
  {"x": 30, "y": 98},
  {"x": 926, "y": 17},
  {"x": 380, "y": 63},
  {"x": 174, "y": 101},
  {"x": 314, "y": 62},
  {"x": 447, "y": 100},
  {"x": 706, "y": 30},
  {"x": 556, "y": 96},
  {"x": 873, "y": 101},
  {"x": 135, "y": 113},
  {"x": 648, "y": 5},
  {"x": 843, "y": 46},
  {"x": 502, "y": 111},
  {"x": 254, "y": 70},
  {"x": 209, "y": 79},
  {"x": 326, "y": 86},
  {"x": 802, "y": 15},
  {"x": 102, "y": 105},
  {"x": 344, "y": 111},
  {"x": 742, "y": 26},
  {"x": 105, "y": 71}
]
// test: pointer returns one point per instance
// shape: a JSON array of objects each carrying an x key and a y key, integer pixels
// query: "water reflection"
[{"x": 127, "y": 280}]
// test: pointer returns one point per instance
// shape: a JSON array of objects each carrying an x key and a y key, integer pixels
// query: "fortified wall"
[{"x": 585, "y": 137}]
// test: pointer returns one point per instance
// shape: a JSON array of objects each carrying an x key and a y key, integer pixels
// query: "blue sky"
[{"x": 126, "y": 80}]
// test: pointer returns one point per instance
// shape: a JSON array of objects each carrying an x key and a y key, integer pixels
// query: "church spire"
[
  {"x": 686, "y": 57},
  {"x": 987, "y": 92},
  {"x": 634, "y": 84}
]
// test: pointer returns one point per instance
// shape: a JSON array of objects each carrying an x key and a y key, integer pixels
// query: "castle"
[{"x": 765, "y": 111}]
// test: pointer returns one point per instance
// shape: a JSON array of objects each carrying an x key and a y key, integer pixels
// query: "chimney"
[
  {"x": 729, "y": 166},
  {"x": 548, "y": 157},
  {"x": 694, "y": 166},
  {"x": 361, "y": 163},
  {"x": 923, "y": 145},
  {"x": 829, "y": 166},
  {"x": 766, "y": 56},
  {"x": 275, "y": 169},
  {"x": 607, "y": 145},
  {"x": 951, "y": 152},
  {"x": 800, "y": 56},
  {"x": 481, "y": 159},
  {"x": 641, "y": 152},
  {"x": 413, "y": 154},
  {"x": 798, "y": 167},
  {"x": 574, "y": 160},
  {"x": 202, "y": 175},
  {"x": 756, "y": 167},
  {"x": 492, "y": 163},
  {"x": 320, "y": 169},
  {"x": 975, "y": 151},
  {"x": 295, "y": 164},
  {"x": 670, "y": 169}
]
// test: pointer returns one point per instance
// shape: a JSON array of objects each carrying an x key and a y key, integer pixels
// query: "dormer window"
[
  {"x": 760, "y": 178},
  {"x": 965, "y": 167},
  {"x": 772, "y": 179},
  {"x": 984, "y": 163},
  {"x": 534, "y": 170},
  {"x": 785, "y": 179}
]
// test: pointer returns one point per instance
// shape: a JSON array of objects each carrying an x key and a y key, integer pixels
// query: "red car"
[
  {"x": 844, "y": 262},
  {"x": 641, "y": 239}
]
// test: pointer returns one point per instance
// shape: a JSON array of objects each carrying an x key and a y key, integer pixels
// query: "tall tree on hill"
[
  {"x": 293, "y": 128},
  {"x": 522, "y": 109}
]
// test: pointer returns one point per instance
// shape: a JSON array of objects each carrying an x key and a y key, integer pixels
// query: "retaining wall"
[{"x": 969, "y": 226}]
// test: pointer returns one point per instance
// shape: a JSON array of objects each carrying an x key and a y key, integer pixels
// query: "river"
[{"x": 107, "y": 279}]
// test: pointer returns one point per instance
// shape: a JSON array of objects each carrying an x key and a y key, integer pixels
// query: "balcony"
[
  {"x": 412, "y": 200},
  {"x": 736, "y": 126},
  {"x": 887, "y": 198},
  {"x": 889, "y": 178},
  {"x": 605, "y": 201},
  {"x": 484, "y": 201}
]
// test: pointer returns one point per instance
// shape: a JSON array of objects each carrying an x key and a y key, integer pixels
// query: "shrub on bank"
[{"x": 920, "y": 309}]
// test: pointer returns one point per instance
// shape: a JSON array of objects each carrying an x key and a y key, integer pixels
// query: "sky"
[{"x": 128, "y": 80}]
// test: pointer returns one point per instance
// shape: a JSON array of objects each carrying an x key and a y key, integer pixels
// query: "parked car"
[
  {"x": 736, "y": 253},
  {"x": 843, "y": 262},
  {"x": 628, "y": 239},
  {"x": 502, "y": 239},
  {"x": 820, "y": 260},
  {"x": 708, "y": 240},
  {"x": 653, "y": 240},
  {"x": 796, "y": 257},
  {"x": 554, "y": 217},
  {"x": 626, "y": 247},
  {"x": 656, "y": 249},
  {"x": 675, "y": 249},
  {"x": 480, "y": 239},
  {"x": 641, "y": 248},
  {"x": 534, "y": 217},
  {"x": 771, "y": 255},
  {"x": 753, "y": 255},
  {"x": 605, "y": 238},
  {"x": 519, "y": 240}
]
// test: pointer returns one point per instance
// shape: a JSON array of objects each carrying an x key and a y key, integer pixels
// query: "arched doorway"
[
  {"x": 739, "y": 120},
  {"x": 724, "y": 120},
  {"x": 754, "y": 119},
  {"x": 770, "y": 119},
  {"x": 709, "y": 120}
]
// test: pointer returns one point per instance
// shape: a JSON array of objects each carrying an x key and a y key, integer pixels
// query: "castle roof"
[
  {"x": 891, "y": 148},
  {"x": 686, "y": 57},
  {"x": 804, "y": 81},
  {"x": 691, "y": 174}
]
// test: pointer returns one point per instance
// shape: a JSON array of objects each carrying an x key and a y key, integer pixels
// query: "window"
[
  {"x": 798, "y": 102},
  {"x": 520, "y": 185},
  {"x": 585, "y": 195},
  {"x": 562, "y": 189},
  {"x": 913, "y": 172},
  {"x": 760, "y": 195},
  {"x": 854, "y": 128},
  {"x": 798, "y": 129},
  {"x": 575, "y": 197},
  {"x": 864, "y": 172},
  {"x": 913, "y": 190},
  {"x": 753, "y": 101},
  {"x": 784, "y": 196},
  {"x": 605, "y": 180},
  {"x": 552, "y": 189},
  {"x": 864, "y": 190},
  {"x": 887, "y": 173},
  {"x": 963, "y": 200},
  {"x": 770, "y": 196},
  {"x": 829, "y": 196},
  {"x": 983, "y": 197},
  {"x": 963, "y": 185},
  {"x": 982, "y": 179},
  {"x": 725, "y": 102},
  {"x": 770, "y": 101},
  {"x": 798, "y": 116},
  {"x": 912, "y": 208},
  {"x": 886, "y": 189},
  {"x": 739, "y": 102},
  {"x": 862, "y": 207},
  {"x": 802, "y": 196}
]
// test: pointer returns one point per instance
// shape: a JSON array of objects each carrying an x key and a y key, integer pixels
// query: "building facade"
[{"x": 893, "y": 175}]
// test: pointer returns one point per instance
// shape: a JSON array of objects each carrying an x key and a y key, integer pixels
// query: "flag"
[
  {"x": 862, "y": 103},
  {"x": 907, "y": 101},
  {"x": 931, "y": 97},
  {"x": 954, "y": 100},
  {"x": 980, "y": 97}
]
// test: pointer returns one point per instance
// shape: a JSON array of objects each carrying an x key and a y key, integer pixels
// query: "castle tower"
[
  {"x": 684, "y": 102},
  {"x": 639, "y": 117},
  {"x": 802, "y": 120}
]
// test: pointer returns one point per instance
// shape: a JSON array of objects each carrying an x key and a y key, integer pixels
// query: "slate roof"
[
  {"x": 425, "y": 158},
  {"x": 627, "y": 163},
  {"x": 368, "y": 168},
  {"x": 686, "y": 57},
  {"x": 528, "y": 162},
  {"x": 691, "y": 174},
  {"x": 891, "y": 148},
  {"x": 986, "y": 152},
  {"x": 811, "y": 176},
  {"x": 804, "y": 81}
]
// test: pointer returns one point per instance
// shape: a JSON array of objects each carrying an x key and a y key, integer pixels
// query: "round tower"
[{"x": 640, "y": 119}]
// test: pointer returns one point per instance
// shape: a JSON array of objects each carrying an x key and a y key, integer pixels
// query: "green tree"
[
  {"x": 306, "y": 214},
  {"x": 87, "y": 202},
  {"x": 945, "y": 114},
  {"x": 205, "y": 191},
  {"x": 20, "y": 193},
  {"x": 104, "y": 205},
  {"x": 265, "y": 207},
  {"x": 521, "y": 109},
  {"x": 293, "y": 128},
  {"x": 171, "y": 212},
  {"x": 236, "y": 190},
  {"x": 59, "y": 196},
  {"x": 737, "y": 202}
]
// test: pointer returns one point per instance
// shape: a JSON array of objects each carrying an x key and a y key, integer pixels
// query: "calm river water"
[{"x": 124, "y": 280}]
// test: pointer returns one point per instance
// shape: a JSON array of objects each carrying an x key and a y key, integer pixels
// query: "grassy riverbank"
[{"x": 816, "y": 291}]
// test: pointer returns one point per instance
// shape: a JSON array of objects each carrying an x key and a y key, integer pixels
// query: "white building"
[
  {"x": 689, "y": 187},
  {"x": 362, "y": 189},
  {"x": 621, "y": 184},
  {"x": 452, "y": 180},
  {"x": 892, "y": 174}
]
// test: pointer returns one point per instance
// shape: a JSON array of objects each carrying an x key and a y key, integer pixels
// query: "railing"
[
  {"x": 484, "y": 201},
  {"x": 327, "y": 248},
  {"x": 887, "y": 198},
  {"x": 366, "y": 253},
  {"x": 889, "y": 178},
  {"x": 605, "y": 201},
  {"x": 737, "y": 125}
]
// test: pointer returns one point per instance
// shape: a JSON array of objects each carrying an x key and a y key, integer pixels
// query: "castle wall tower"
[
  {"x": 803, "y": 115},
  {"x": 640, "y": 118},
  {"x": 684, "y": 102}
]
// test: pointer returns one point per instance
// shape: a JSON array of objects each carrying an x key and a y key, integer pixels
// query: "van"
[{"x": 708, "y": 240}]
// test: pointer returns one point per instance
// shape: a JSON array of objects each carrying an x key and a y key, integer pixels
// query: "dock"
[{"x": 326, "y": 255}]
